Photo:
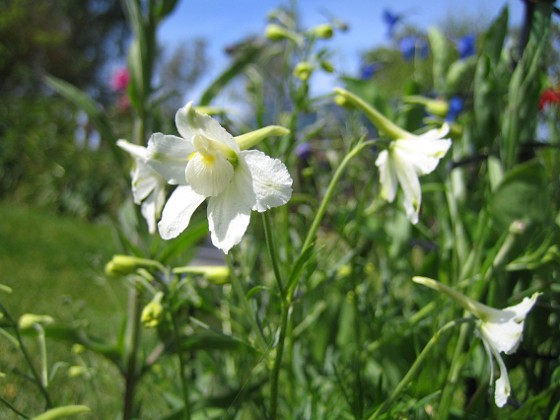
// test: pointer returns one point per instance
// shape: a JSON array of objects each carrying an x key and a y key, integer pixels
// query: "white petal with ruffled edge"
[
  {"x": 230, "y": 212},
  {"x": 169, "y": 156},
  {"x": 178, "y": 211},
  {"x": 190, "y": 123},
  {"x": 271, "y": 181}
]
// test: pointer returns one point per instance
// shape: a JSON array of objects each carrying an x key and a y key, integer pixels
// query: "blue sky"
[{"x": 224, "y": 22}]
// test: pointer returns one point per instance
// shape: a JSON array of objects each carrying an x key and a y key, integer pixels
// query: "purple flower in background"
[
  {"x": 412, "y": 46},
  {"x": 120, "y": 79},
  {"x": 466, "y": 46},
  {"x": 303, "y": 151},
  {"x": 368, "y": 70},
  {"x": 456, "y": 105},
  {"x": 391, "y": 20}
]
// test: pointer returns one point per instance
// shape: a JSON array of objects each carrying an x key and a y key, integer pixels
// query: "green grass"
[{"x": 54, "y": 265}]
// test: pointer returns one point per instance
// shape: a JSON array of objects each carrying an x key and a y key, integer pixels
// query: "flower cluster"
[
  {"x": 207, "y": 162},
  {"x": 500, "y": 330}
]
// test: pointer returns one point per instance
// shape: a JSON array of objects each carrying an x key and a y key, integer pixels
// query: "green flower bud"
[
  {"x": 327, "y": 66},
  {"x": 276, "y": 32},
  {"x": 324, "y": 31},
  {"x": 437, "y": 107},
  {"x": 75, "y": 371},
  {"x": 218, "y": 274},
  {"x": 153, "y": 312},
  {"x": 27, "y": 321},
  {"x": 5, "y": 289},
  {"x": 303, "y": 70},
  {"x": 62, "y": 412},
  {"x": 121, "y": 265},
  {"x": 248, "y": 140}
]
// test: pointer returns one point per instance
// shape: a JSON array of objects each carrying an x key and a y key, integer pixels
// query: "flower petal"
[
  {"x": 502, "y": 388},
  {"x": 503, "y": 336},
  {"x": 229, "y": 213},
  {"x": 169, "y": 155},
  {"x": 139, "y": 152},
  {"x": 410, "y": 184},
  {"x": 423, "y": 154},
  {"x": 436, "y": 133},
  {"x": 178, "y": 211},
  {"x": 271, "y": 181},
  {"x": 191, "y": 122},
  {"x": 209, "y": 176},
  {"x": 387, "y": 176},
  {"x": 144, "y": 181}
]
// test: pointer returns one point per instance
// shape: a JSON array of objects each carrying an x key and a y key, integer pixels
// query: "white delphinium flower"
[
  {"x": 148, "y": 186},
  {"x": 208, "y": 162},
  {"x": 500, "y": 330},
  {"x": 405, "y": 160}
]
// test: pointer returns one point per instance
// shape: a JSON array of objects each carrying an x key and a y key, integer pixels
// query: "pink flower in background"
[{"x": 120, "y": 79}]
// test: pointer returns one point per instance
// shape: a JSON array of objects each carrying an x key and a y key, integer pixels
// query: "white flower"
[
  {"x": 500, "y": 330},
  {"x": 207, "y": 162},
  {"x": 148, "y": 186},
  {"x": 405, "y": 160}
]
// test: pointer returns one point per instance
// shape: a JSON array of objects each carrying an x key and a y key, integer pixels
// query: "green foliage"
[{"x": 315, "y": 314}]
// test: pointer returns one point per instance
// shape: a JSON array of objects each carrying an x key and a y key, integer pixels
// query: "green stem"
[
  {"x": 412, "y": 372},
  {"x": 330, "y": 192},
  {"x": 43, "y": 352},
  {"x": 456, "y": 364},
  {"x": 247, "y": 310},
  {"x": 131, "y": 352},
  {"x": 272, "y": 253},
  {"x": 275, "y": 374},
  {"x": 38, "y": 381},
  {"x": 182, "y": 367}
]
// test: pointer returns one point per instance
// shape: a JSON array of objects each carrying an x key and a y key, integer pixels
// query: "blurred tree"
[{"x": 69, "y": 39}]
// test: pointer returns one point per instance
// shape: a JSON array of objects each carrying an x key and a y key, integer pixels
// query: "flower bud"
[
  {"x": 153, "y": 312},
  {"x": 5, "y": 289},
  {"x": 324, "y": 31},
  {"x": 276, "y": 32},
  {"x": 327, "y": 66},
  {"x": 121, "y": 265},
  {"x": 303, "y": 70},
  {"x": 248, "y": 140},
  {"x": 75, "y": 371},
  {"x": 436, "y": 107},
  {"x": 217, "y": 274},
  {"x": 27, "y": 321}
]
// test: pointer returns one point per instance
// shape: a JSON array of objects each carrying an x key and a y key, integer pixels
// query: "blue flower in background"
[
  {"x": 391, "y": 20},
  {"x": 456, "y": 105},
  {"x": 466, "y": 46},
  {"x": 412, "y": 46},
  {"x": 304, "y": 151},
  {"x": 368, "y": 70}
]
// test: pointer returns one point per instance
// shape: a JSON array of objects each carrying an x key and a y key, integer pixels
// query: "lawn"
[{"x": 54, "y": 265}]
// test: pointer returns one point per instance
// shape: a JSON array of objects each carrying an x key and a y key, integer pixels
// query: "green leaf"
[
  {"x": 211, "y": 340},
  {"x": 77, "y": 335},
  {"x": 494, "y": 37},
  {"x": 247, "y": 55},
  {"x": 63, "y": 412},
  {"x": 522, "y": 196},
  {"x": 443, "y": 53},
  {"x": 541, "y": 406},
  {"x": 460, "y": 76},
  {"x": 299, "y": 265},
  {"x": 198, "y": 229},
  {"x": 93, "y": 111}
]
